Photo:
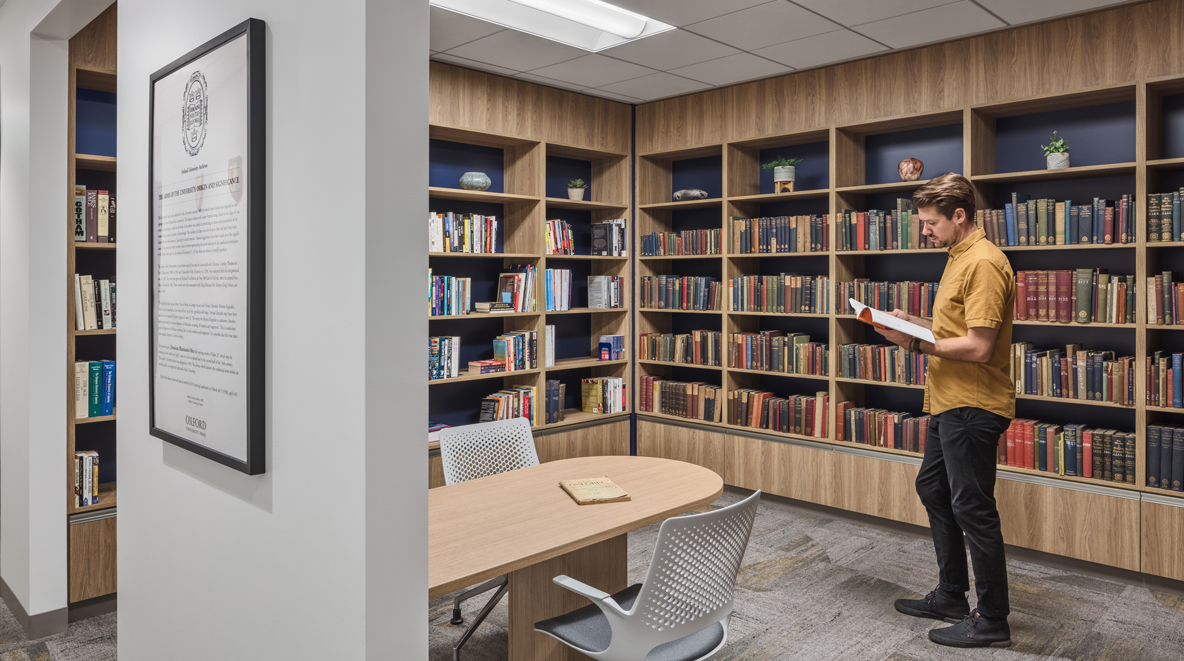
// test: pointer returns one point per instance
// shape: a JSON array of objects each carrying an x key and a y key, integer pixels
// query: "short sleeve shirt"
[{"x": 977, "y": 289}]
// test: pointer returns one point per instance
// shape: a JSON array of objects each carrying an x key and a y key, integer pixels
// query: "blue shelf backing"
[
  {"x": 580, "y": 270},
  {"x": 706, "y": 173},
  {"x": 819, "y": 205},
  {"x": 581, "y": 226},
  {"x": 94, "y": 123},
  {"x": 100, "y": 437},
  {"x": 938, "y": 147},
  {"x": 1097, "y": 135},
  {"x": 813, "y": 172},
  {"x": 695, "y": 219},
  {"x": 1173, "y": 126},
  {"x": 572, "y": 332},
  {"x": 562, "y": 170},
  {"x": 447, "y": 161},
  {"x": 917, "y": 267}
]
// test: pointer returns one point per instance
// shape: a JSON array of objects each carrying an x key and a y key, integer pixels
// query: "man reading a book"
[{"x": 971, "y": 400}]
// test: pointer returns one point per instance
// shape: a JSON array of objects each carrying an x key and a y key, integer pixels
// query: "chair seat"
[{"x": 588, "y": 629}]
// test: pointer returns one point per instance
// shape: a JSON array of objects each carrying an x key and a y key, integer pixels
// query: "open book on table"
[{"x": 881, "y": 319}]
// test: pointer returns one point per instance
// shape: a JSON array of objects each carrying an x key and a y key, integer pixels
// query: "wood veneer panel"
[
  {"x": 695, "y": 446},
  {"x": 435, "y": 471},
  {"x": 878, "y": 487},
  {"x": 595, "y": 441},
  {"x": 1162, "y": 531},
  {"x": 92, "y": 559}
]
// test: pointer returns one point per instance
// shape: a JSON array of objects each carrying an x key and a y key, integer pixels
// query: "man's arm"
[{"x": 978, "y": 346}]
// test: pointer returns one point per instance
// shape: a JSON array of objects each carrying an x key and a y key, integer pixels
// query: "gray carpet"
[
  {"x": 819, "y": 588},
  {"x": 86, "y": 640}
]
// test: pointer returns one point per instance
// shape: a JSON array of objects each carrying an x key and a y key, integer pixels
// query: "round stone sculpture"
[
  {"x": 475, "y": 181},
  {"x": 910, "y": 169},
  {"x": 689, "y": 194}
]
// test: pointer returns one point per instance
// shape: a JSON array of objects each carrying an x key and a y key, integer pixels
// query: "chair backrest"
[
  {"x": 488, "y": 448},
  {"x": 692, "y": 575}
]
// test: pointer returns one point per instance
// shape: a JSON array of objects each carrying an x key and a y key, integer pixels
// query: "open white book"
[{"x": 882, "y": 319}]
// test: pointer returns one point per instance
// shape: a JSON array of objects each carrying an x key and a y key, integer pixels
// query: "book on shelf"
[
  {"x": 699, "y": 347},
  {"x": 880, "y": 229},
  {"x": 594, "y": 490},
  {"x": 518, "y": 350},
  {"x": 603, "y": 395},
  {"x": 606, "y": 292},
  {"x": 94, "y": 388},
  {"x": 552, "y": 401},
  {"x": 558, "y": 288},
  {"x": 448, "y": 295},
  {"x": 776, "y": 351},
  {"x": 886, "y": 363},
  {"x": 1082, "y": 296},
  {"x": 1165, "y": 457},
  {"x": 92, "y": 215},
  {"x": 610, "y": 238},
  {"x": 1165, "y": 299},
  {"x": 103, "y": 216},
  {"x": 915, "y": 298},
  {"x": 492, "y": 307},
  {"x": 1163, "y": 217},
  {"x": 94, "y": 302},
  {"x": 1071, "y": 449},
  {"x": 784, "y": 293},
  {"x": 517, "y": 287},
  {"x": 510, "y": 403},
  {"x": 675, "y": 292},
  {"x": 692, "y": 400},
  {"x": 611, "y": 347},
  {"x": 1162, "y": 377},
  {"x": 881, "y": 428},
  {"x": 679, "y": 244},
  {"x": 549, "y": 345},
  {"x": 1073, "y": 373},
  {"x": 804, "y": 415},
  {"x": 780, "y": 234},
  {"x": 443, "y": 357},
  {"x": 86, "y": 478},
  {"x": 79, "y": 213},
  {"x": 462, "y": 233},
  {"x": 487, "y": 366},
  {"x": 559, "y": 239},
  {"x": 1049, "y": 222},
  {"x": 111, "y": 219}
]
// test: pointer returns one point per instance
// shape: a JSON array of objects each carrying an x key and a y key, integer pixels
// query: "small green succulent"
[
  {"x": 1057, "y": 145},
  {"x": 577, "y": 183},
  {"x": 781, "y": 162}
]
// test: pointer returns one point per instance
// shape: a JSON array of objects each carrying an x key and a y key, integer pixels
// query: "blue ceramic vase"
[{"x": 475, "y": 181}]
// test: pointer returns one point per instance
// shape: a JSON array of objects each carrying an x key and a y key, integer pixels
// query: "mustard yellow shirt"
[{"x": 977, "y": 289}]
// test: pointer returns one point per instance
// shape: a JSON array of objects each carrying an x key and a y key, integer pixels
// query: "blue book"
[
  {"x": 1177, "y": 381},
  {"x": 550, "y": 290},
  {"x": 1099, "y": 219},
  {"x": 108, "y": 403},
  {"x": 1009, "y": 213},
  {"x": 1070, "y": 456}
]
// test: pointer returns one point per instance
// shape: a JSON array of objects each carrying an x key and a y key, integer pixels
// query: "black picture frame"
[{"x": 255, "y": 270}]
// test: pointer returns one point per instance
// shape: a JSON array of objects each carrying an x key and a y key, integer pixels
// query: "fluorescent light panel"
[{"x": 580, "y": 23}]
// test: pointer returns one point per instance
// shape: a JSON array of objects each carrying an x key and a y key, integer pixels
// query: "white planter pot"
[
  {"x": 786, "y": 173},
  {"x": 576, "y": 193},
  {"x": 1058, "y": 161}
]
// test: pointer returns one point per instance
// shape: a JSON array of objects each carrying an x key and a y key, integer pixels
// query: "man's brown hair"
[{"x": 947, "y": 192}]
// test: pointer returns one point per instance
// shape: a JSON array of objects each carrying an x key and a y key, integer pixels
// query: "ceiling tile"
[
  {"x": 450, "y": 29},
  {"x": 517, "y": 50},
  {"x": 685, "y": 12},
  {"x": 821, "y": 49},
  {"x": 542, "y": 80},
  {"x": 857, "y": 12},
  {"x": 473, "y": 64},
  {"x": 669, "y": 50},
  {"x": 655, "y": 86},
  {"x": 731, "y": 69},
  {"x": 593, "y": 71},
  {"x": 609, "y": 95},
  {"x": 922, "y": 27},
  {"x": 764, "y": 25},
  {"x": 1023, "y": 11}
]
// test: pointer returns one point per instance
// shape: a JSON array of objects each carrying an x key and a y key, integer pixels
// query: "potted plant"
[
  {"x": 784, "y": 173},
  {"x": 575, "y": 189},
  {"x": 1056, "y": 152}
]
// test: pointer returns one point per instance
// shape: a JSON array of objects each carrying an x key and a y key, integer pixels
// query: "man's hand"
[{"x": 894, "y": 336}]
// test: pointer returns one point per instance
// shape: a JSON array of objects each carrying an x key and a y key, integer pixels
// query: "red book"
[
  {"x": 1087, "y": 451},
  {"x": 1064, "y": 281},
  {"x": 1011, "y": 436},
  {"x": 1029, "y": 443},
  {"x": 1021, "y": 295},
  {"x": 861, "y": 231},
  {"x": 1050, "y": 442},
  {"x": 1065, "y": 392},
  {"x": 840, "y": 420},
  {"x": 808, "y": 418},
  {"x": 1033, "y": 304},
  {"x": 1042, "y": 296},
  {"x": 923, "y": 433},
  {"x": 1108, "y": 225}
]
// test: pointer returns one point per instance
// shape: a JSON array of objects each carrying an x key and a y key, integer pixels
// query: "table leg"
[{"x": 534, "y": 597}]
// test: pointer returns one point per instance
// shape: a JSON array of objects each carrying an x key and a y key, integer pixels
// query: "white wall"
[{"x": 325, "y": 555}]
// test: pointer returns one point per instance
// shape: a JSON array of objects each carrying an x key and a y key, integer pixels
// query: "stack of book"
[
  {"x": 611, "y": 347},
  {"x": 448, "y": 295},
  {"x": 554, "y": 393},
  {"x": 559, "y": 238},
  {"x": 558, "y": 290},
  {"x": 609, "y": 238},
  {"x": 1076, "y": 450},
  {"x": 469, "y": 233},
  {"x": 699, "y": 347},
  {"x": 443, "y": 357},
  {"x": 1165, "y": 457},
  {"x": 518, "y": 350},
  {"x": 784, "y": 293},
  {"x": 606, "y": 292},
  {"x": 1165, "y": 300},
  {"x": 1083, "y": 296},
  {"x": 796, "y": 414},
  {"x": 1073, "y": 373},
  {"x": 508, "y": 403},
  {"x": 877, "y": 229},
  {"x": 1046, "y": 222},
  {"x": 780, "y": 234},
  {"x": 695, "y": 400},
  {"x": 94, "y": 302},
  {"x": 1162, "y": 374},
  {"x": 1163, "y": 217},
  {"x": 86, "y": 478},
  {"x": 686, "y": 242},
  {"x": 887, "y": 363},
  {"x": 915, "y": 298},
  {"x": 94, "y": 388},
  {"x": 516, "y": 287},
  {"x": 94, "y": 215},
  {"x": 604, "y": 394},
  {"x": 774, "y": 351},
  {"x": 881, "y": 428},
  {"x": 677, "y": 292}
]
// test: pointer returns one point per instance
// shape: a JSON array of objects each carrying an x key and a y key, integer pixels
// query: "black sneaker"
[
  {"x": 974, "y": 631},
  {"x": 934, "y": 606}
]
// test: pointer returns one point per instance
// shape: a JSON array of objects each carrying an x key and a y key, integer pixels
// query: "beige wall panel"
[
  {"x": 1162, "y": 535},
  {"x": 877, "y": 487},
  {"x": 595, "y": 441},
  {"x": 695, "y": 446}
]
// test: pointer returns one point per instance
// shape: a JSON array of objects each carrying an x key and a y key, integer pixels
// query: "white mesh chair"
[
  {"x": 474, "y": 451},
  {"x": 682, "y": 610}
]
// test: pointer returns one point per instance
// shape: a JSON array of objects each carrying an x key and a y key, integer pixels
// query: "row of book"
[
  {"x": 880, "y": 427},
  {"x": 678, "y": 244},
  {"x": 1165, "y": 457},
  {"x": 604, "y": 395},
  {"x": 611, "y": 347},
  {"x": 1162, "y": 375},
  {"x": 681, "y": 399},
  {"x": 86, "y": 478},
  {"x": 558, "y": 289},
  {"x": 94, "y": 215},
  {"x": 609, "y": 238},
  {"x": 448, "y": 295},
  {"x": 784, "y": 293},
  {"x": 680, "y": 292},
  {"x": 1165, "y": 300},
  {"x": 443, "y": 357},
  {"x": 886, "y": 363},
  {"x": 1074, "y": 449},
  {"x": 915, "y": 298},
  {"x": 1163, "y": 217},
  {"x": 1073, "y": 373},
  {"x": 1081, "y": 296},
  {"x": 699, "y": 347},
  {"x": 462, "y": 233},
  {"x": 776, "y": 351},
  {"x": 94, "y": 302},
  {"x": 1048, "y": 222},
  {"x": 878, "y": 229},
  {"x": 559, "y": 239},
  {"x": 554, "y": 393},
  {"x": 606, "y": 292},
  {"x": 804, "y": 415},
  {"x": 780, "y": 234},
  {"x": 516, "y": 287},
  {"x": 509, "y": 403},
  {"x": 94, "y": 388}
]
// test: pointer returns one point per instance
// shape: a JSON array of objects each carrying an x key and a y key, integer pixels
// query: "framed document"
[{"x": 206, "y": 255}]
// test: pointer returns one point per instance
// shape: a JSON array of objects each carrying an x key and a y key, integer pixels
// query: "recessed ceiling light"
[{"x": 588, "y": 24}]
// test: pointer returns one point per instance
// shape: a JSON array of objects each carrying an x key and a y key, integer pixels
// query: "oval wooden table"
[{"x": 522, "y": 524}]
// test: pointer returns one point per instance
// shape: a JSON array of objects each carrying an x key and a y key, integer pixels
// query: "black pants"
[{"x": 956, "y": 484}]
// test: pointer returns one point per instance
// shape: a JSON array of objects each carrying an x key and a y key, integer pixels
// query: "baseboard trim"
[
  {"x": 80, "y": 610},
  {"x": 35, "y": 626}
]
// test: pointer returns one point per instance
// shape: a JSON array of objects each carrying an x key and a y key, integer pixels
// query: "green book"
[
  {"x": 1041, "y": 223},
  {"x": 1021, "y": 214},
  {"x": 95, "y": 409},
  {"x": 1085, "y": 281},
  {"x": 1103, "y": 311}
]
